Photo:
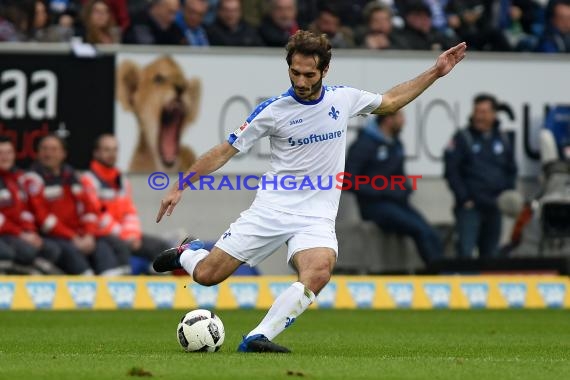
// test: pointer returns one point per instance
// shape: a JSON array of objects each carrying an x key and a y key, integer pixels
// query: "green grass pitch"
[{"x": 326, "y": 344}]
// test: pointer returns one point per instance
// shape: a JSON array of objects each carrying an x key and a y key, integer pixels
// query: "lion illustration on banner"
[{"x": 165, "y": 104}]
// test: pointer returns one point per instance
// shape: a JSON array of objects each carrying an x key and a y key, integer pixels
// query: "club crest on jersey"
[{"x": 334, "y": 113}]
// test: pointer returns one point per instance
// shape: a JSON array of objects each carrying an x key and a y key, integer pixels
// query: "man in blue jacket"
[
  {"x": 479, "y": 166},
  {"x": 378, "y": 151}
]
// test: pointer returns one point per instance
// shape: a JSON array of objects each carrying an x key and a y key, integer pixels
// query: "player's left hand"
[{"x": 449, "y": 58}]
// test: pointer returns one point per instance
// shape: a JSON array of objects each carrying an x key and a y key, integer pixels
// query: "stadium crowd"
[
  {"x": 55, "y": 219},
  {"x": 487, "y": 25}
]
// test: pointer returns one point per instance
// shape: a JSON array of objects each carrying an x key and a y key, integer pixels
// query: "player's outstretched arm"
[
  {"x": 211, "y": 161},
  {"x": 397, "y": 97}
]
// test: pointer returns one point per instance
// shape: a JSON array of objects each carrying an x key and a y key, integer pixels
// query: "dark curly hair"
[{"x": 310, "y": 44}]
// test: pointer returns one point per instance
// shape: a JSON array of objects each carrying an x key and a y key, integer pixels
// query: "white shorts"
[{"x": 260, "y": 231}]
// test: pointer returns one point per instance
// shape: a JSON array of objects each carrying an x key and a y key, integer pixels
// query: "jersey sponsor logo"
[
  {"x": 334, "y": 113},
  {"x": 438, "y": 294},
  {"x": 123, "y": 293},
  {"x": 401, "y": 293},
  {"x": 313, "y": 138},
  {"x": 82, "y": 293},
  {"x": 552, "y": 294},
  {"x": 162, "y": 294},
  {"x": 362, "y": 293},
  {"x": 476, "y": 294},
  {"x": 276, "y": 288},
  {"x": 6, "y": 294},
  {"x": 206, "y": 297},
  {"x": 327, "y": 297},
  {"x": 41, "y": 293},
  {"x": 245, "y": 294},
  {"x": 514, "y": 294}
]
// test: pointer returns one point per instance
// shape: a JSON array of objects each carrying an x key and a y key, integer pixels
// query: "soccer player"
[{"x": 303, "y": 219}]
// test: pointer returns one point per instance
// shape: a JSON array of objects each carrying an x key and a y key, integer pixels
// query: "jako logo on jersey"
[
  {"x": 6, "y": 294},
  {"x": 514, "y": 294},
  {"x": 205, "y": 296},
  {"x": 552, "y": 294},
  {"x": 162, "y": 293},
  {"x": 334, "y": 113},
  {"x": 42, "y": 293},
  {"x": 315, "y": 138},
  {"x": 439, "y": 294},
  {"x": 476, "y": 294},
  {"x": 362, "y": 293},
  {"x": 83, "y": 293},
  {"x": 327, "y": 297},
  {"x": 123, "y": 293},
  {"x": 245, "y": 294},
  {"x": 295, "y": 122},
  {"x": 226, "y": 234},
  {"x": 402, "y": 294},
  {"x": 289, "y": 321},
  {"x": 276, "y": 288}
]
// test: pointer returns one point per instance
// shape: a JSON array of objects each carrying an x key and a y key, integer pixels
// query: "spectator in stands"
[
  {"x": 280, "y": 23},
  {"x": 27, "y": 20},
  {"x": 98, "y": 24},
  {"x": 119, "y": 11},
  {"x": 307, "y": 12},
  {"x": 350, "y": 11},
  {"x": 328, "y": 22},
  {"x": 418, "y": 33},
  {"x": 378, "y": 151},
  {"x": 11, "y": 23},
  {"x": 556, "y": 37},
  {"x": 253, "y": 11},
  {"x": 65, "y": 214},
  {"x": 156, "y": 25},
  {"x": 474, "y": 23},
  {"x": 479, "y": 166},
  {"x": 377, "y": 33},
  {"x": 110, "y": 190},
  {"x": 191, "y": 22},
  {"x": 19, "y": 240},
  {"x": 230, "y": 29}
]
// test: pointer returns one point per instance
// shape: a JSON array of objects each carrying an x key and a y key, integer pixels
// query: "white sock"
[
  {"x": 288, "y": 306},
  {"x": 189, "y": 259}
]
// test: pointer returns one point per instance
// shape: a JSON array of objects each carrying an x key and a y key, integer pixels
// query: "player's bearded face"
[
  {"x": 305, "y": 76},
  {"x": 309, "y": 91}
]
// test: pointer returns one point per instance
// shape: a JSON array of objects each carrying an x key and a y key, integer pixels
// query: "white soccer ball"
[{"x": 200, "y": 330}]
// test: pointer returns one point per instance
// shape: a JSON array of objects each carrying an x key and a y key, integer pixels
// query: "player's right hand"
[{"x": 168, "y": 203}]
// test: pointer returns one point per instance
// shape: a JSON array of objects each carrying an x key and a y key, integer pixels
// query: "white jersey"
[{"x": 308, "y": 143}]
